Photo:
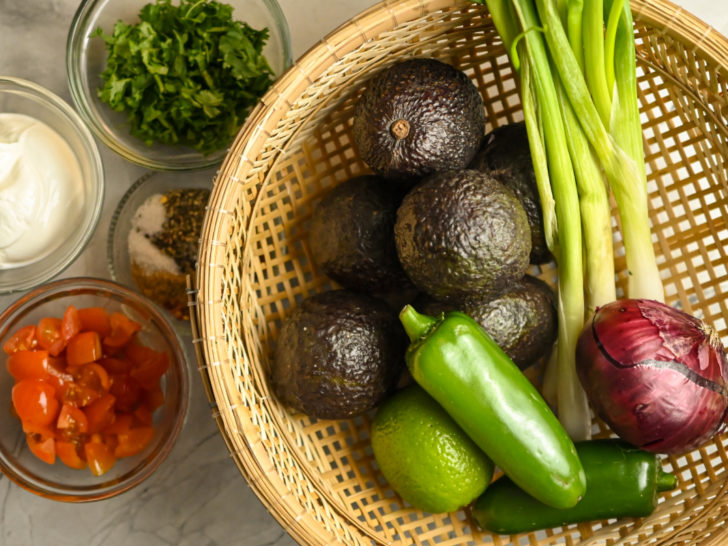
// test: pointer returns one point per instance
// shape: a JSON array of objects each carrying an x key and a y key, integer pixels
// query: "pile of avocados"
[{"x": 448, "y": 219}]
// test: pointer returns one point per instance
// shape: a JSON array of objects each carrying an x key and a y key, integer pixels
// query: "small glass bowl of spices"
[{"x": 154, "y": 237}]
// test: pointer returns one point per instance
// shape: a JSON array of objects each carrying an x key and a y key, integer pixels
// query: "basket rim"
[{"x": 210, "y": 346}]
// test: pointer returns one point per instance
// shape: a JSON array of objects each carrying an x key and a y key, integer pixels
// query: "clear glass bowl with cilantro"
[{"x": 167, "y": 84}]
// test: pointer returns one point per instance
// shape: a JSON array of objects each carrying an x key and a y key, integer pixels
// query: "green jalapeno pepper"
[
  {"x": 621, "y": 481},
  {"x": 462, "y": 368}
]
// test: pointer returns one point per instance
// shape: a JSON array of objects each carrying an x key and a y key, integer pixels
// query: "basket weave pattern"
[{"x": 318, "y": 478}]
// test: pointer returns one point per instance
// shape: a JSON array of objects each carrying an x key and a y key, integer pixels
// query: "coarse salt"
[{"x": 147, "y": 221}]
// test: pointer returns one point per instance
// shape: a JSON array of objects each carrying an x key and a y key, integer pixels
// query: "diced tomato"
[
  {"x": 70, "y": 453},
  {"x": 70, "y": 324},
  {"x": 90, "y": 382},
  {"x": 91, "y": 375},
  {"x": 100, "y": 413},
  {"x": 153, "y": 398},
  {"x": 143, "y": 415},
  {"x": 43, "y": 430},
  {"x": 22, "y": 340},
  {"x": 79, "y": 396},
  {"x": 83, "y": 348},
  {"x": 76, "y": 403},
  {"x": 122, "y": 330},
  {"x": 111, "y": 441},
  {"x": 99, "y": 457},
  {"x": 102, "y": 375},
  {"x": 138, "y": 353},
  {"x": 28, "y": 365},
  {"x": 127, "y": 391},
  {"x": 57, "y": 376},
  {"x": 35, "y": 401},
  {"x": 116, "y": 365},
  {"x": 42, "y": 447},
  {"x": 122, "y": 423},
  {"x": 95, "y": 319},
  {"x": 149, "y": 371},
  {"x": 49, "y": 335},
  {"x": 73, "y": 420},
  {"x": 133, "y": 441}
]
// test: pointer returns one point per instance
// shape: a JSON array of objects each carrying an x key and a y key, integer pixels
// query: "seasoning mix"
[{"x": 163, "y": 243}]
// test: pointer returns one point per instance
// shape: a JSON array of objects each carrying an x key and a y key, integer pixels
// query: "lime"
[{"x": 425, "y": 456}]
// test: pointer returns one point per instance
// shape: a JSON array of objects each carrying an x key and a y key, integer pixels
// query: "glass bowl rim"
[{"x": 138, "y": 474}]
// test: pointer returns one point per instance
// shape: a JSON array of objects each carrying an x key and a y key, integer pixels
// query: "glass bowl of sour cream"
[{"x": 51, "y": 184}]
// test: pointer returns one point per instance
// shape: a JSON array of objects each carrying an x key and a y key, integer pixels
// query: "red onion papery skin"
[{"x": 656, "y": 375}]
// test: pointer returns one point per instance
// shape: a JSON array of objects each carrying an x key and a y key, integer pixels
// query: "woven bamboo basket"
[{"x": 319, "y": 478}]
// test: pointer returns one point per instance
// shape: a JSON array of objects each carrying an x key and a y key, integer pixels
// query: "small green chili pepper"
[
  {"x": 462, "y": 368},
  {"x": 621, "y": 481}
]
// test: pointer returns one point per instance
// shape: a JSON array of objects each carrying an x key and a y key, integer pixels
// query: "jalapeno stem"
[
  {"x": 415, "y": 324},
  {"x": 666, "y": 481}
]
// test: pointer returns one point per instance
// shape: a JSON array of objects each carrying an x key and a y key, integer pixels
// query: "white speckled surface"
[{"x": 197, "y": 497}]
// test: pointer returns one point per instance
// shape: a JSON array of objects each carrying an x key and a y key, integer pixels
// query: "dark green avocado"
[
  {"x": 506, "y": 155},
  {"x": 522, "y": 320},
  {"x": 462, "y": 234},
  {"x": 351, "y": 235},
  {"x": 418, "y": 117},
  {"x": 339, "y": 353}
]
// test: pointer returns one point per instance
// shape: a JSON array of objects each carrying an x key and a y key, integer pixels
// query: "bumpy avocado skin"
[
  {"x": 522, "y": 320},
  {"x": 505, "y": 154},
  {"x": 442, "y": 108},
  {"x": 351, "y": 235},
  {"x": 460, "y": 234},
  {"x": 339, "y": 353}
]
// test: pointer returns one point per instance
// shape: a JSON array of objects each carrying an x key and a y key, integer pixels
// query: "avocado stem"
[
  {"x": 400, "y": 129},
  {"x": 415, "y": 324}
]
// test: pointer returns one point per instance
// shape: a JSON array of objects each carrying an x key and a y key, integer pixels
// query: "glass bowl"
[
  {"x": 56, "y": 481},
  {"x": 18, "y": 269},
  {"x": 120, "y": 227},
  {"x": 86, "y": 59}
]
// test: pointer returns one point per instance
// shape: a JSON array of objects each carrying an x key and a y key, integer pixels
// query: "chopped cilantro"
[{"x": 186, "y": 74}]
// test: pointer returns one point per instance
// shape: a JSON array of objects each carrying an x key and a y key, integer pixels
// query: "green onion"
[
  {"x": 545, "y": 124},
  {"x": 620, "y": 153},
  {"x": 596, "y": 220},
  {"x": 574, "y": 14},
  {"x": 594, "y": 63},
  {"x": 579, "y": 95},
  {"x": 609, "y": 41},
  {"x": 644, "y": 279}
]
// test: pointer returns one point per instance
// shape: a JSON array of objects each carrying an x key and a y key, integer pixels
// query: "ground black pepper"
[{"x": 179, "y": 237}]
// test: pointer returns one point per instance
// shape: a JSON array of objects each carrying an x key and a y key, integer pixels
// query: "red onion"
[{"x": 656, "y": 375}]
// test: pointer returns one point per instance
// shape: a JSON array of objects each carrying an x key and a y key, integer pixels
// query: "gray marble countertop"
[{"x": 198, "y": 496}]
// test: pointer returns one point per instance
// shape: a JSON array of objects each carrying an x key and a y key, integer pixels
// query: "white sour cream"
[{"x": 41, "y": 190}]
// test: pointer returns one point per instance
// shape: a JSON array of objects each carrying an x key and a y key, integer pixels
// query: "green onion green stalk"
[{"x": 576, "y": 62}]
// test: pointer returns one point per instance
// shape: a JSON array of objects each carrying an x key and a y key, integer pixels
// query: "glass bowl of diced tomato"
[{"x": 95, "y": 385}]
